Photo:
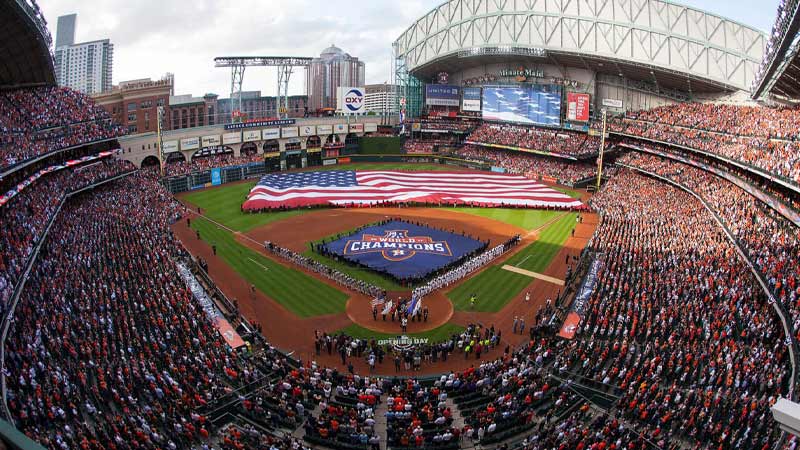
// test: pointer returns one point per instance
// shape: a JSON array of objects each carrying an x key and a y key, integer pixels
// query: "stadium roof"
[
  {"x": 672, "y": 45},
  {"x": 25, "y": 58},
  {"x": 780, "y": 71}
]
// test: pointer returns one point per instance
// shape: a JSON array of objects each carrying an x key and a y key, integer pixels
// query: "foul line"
[
  {"x": 524, "y": 259},
  {"x": 547, "y": 224},
  {"x": 538, "y": 276},
  {"x": 258, "y": 263}
]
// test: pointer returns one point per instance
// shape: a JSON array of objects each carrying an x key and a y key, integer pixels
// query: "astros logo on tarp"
[{"x": 396, "y": 245}]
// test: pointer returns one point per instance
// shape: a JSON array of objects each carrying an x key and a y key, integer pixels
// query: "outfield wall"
[{"x": 374, "y": 145}]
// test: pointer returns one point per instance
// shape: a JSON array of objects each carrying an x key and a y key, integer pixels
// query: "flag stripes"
[{"x": 343, "y": 187}]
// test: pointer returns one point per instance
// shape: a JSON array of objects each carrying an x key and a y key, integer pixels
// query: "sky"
[{"x": 153, "y": 37}]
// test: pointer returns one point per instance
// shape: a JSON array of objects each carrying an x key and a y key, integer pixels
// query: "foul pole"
[{"x": 602, "y": 150}]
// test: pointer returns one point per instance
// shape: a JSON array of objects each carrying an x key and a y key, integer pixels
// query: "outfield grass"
[
  {"x": 528, "y": 219},
  {"x": 438, "y": 334},
  {"x": 224, "y": 205},
  {"x": 358, "y": 273},
  {"x": 570, "y": 192},
  {"x": 494, "y": 287},
  {"x": 301, "y": 294}
]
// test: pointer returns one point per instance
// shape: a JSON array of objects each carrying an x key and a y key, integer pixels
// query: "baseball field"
[{"x": 291, "y": 302}]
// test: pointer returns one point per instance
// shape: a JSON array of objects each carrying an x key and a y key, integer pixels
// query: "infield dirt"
[{"x": 291, "y": 333}]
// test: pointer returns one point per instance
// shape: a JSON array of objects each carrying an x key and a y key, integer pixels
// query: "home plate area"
[{"x": 404, "y": 251}]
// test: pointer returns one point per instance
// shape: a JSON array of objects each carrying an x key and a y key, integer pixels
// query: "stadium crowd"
[
  {"x": 39, "y": 120},
  {"x": 686, "y": 353},
  {"x": 25, "y": 217},
  {"x": 534, "y": 167},
  {"x": 176, "y": 168},
  {"x": 109, "y": 349},
  {"x": 557, "y": 142},
  {"x": 766, "y": 138},
  {"x": 770, "y": 240},
  {"x": 785, "y": 195}
]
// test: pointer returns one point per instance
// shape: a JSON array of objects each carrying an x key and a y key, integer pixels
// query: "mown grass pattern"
[
  {"x": 494, "y": 287},
  {"x": 224, "y": 205},
  {"x": 299, "y": 293},
  {"x": 528, "y": 219}
]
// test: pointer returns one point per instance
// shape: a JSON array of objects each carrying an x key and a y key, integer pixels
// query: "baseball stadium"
[{"x": 571, "y": 225}]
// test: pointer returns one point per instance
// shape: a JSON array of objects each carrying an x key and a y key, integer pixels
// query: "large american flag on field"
[{"x": 368, "y": 187}]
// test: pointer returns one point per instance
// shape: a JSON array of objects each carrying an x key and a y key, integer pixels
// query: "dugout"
[
  {"x": 272, "y": 162},
  {"x": 294, "y": 159},
  {"x": 314, "y": 157}
]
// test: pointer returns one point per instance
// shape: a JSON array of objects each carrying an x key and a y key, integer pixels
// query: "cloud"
[{"x": 152, "y": 37}]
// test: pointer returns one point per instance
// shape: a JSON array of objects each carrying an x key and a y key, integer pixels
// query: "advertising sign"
[
  {"x": 350, "y": 100},
  {"x": 289, "y": 132},
  {"x": 577, "y": 107},
  {"x": 340, "y": 128},
  {"x": 471, "y": 101},
  {"x": 190, "y": 143},
  {"x": 370, "y": 127},
  {"x": 170, "y": 146},
  {"x": 271, "y": 133},
  {"x": 259, "y": 123},
  {"x": 612, "y": 103},
  {"x": 356, "y": 127},
  {"x": 441, "y": 95},
  {"x": 522, "y": 74},
  {"x": 211, "y": 141},
  {"x": 216, "y": 176},
  {"x": 232, "y": 138},
  {"x": 322, "y": 130},
  {"x": 308, "y": 130},
  {"x": 251, "y": 135}
]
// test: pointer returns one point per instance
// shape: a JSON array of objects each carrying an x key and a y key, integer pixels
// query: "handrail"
[
  {"x": 780, "y": 179},
  {"x": 23, "y": 164},
  {"x": 790, "y": 340},
  {"x": 8, "y": 317},
  {"x": 776, "y": 204}
]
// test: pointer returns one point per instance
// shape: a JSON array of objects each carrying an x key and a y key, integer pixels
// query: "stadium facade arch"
[
  {"x": 292, "y": 138},
  {"x": 637, "y": 52}
]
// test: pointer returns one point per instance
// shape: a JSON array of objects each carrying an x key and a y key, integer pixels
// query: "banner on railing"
[
  {"x": 219, "y": 321},
  {"x": 578, "y": 308},
  {"x": 31, "y": 179}
]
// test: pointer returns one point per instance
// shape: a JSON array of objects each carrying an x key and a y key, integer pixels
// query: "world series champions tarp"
[{"x": 403, "y": 250}]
